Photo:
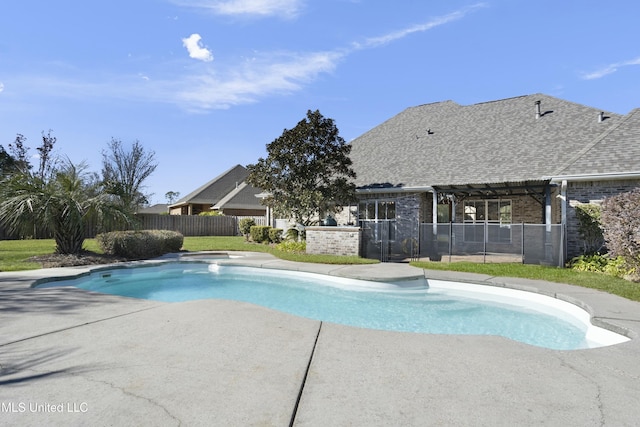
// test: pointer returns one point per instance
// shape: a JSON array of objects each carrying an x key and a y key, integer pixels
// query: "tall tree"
[
  {"x": 7, "y": 163},
  {"x": 47, "y": 161},
  {"x": 172, "y": 196},
  {"x": 124, "y": 172},
  {"x": 307, "y": 171},
  {"x": 20, "y": 153},
  {"x": 61, "y": 205}
]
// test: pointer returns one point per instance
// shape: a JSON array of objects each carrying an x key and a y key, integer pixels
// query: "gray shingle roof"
[
  {"x": 217, "y": 188},
  {"x": 243, "y": 197},
  {"x": 617, "y": 151},
  {"x": 446, "y": 143}
]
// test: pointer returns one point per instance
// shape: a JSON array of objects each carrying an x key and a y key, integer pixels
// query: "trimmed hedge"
[
  {"x": 140, "y": 244},
  {"x": 265, "y": 234},
  {"x": 275, "y": 235},
  {"x": 260, "y": 233}
]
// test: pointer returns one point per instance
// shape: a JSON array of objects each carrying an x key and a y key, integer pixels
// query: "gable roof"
[
  {"x": 445, "y": 143},
  {"x": 213, "y": 191},
  {"x": 242, "y": 197}
]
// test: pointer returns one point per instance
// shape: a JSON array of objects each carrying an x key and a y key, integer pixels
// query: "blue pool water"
[{"x": 362, "y": 304}]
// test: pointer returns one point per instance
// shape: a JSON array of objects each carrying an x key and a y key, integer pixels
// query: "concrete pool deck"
[{"x": 70, "y": 357}]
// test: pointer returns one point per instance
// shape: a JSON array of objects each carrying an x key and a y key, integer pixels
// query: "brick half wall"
[{"x": 334, "y": 240}]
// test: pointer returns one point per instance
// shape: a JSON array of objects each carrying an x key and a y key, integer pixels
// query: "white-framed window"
[
  {"x": 381, "y": 211},
  {"x": 377, "y": 210},
  {"x": 489, "y": 218}
]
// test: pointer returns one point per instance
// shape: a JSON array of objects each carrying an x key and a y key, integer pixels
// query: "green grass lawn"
[
  {"x": 14, "y": 255},
  {"x": 603, "y": 282}
]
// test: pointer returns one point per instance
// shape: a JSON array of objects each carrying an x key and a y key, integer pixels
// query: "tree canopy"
[
  {"x": 7, "y": 163},
  {"x": 62, "y": 198},
  {"x": 61, "y": 205},
  {"x": 307, "y": 172},
  {"x": 124, "y": 172}
]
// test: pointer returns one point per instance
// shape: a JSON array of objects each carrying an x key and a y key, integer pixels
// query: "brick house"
[{"x": 522, "y": 160}]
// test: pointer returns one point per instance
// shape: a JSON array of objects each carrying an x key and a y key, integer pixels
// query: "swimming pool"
[{"x": 439, "y": 308}]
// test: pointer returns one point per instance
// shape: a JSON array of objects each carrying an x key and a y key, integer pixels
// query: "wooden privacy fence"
[
  {"x": 191, "y": 225},
  {"x": 194, "y": 225},
  {"x": 188, "y": 225}
]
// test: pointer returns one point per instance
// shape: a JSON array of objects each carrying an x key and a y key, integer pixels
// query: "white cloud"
[
  {"x": 286, "y": 73},
  {"x": 610, "y": 69},
  {"x": 195, "y": 48},
  {"x": 433, "y": 23},
  {"x": 282, "y": 8},
  {"x": 1, "y": 86},
  {"x": 226, "y": 85},
  {"x": 257, "y": 78}
]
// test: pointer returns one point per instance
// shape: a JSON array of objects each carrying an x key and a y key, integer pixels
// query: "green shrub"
[
  {"x": 140, "y": 244},
  {"x": 593, "y": 262},
  {"x": 590, "y": 227},
  {"x": 295, "y": 233},
  {"x": 618, "y": 267},
  {"x": 291, "y": 246},
  {"x": 292, "y": 234},
  {"x": 210, "y": 213},
  {"x": 245, "y": 226},
  {"x": 172, "y": 240},
  {"x": 275, "y": 235},
  {"x": 597, "y": 263},
  {"x": 260, "y": 233}
]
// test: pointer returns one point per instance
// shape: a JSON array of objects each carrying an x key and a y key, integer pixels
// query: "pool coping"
[
  {"x": 395, "y": 273},
  {"x": 332, "y": 374}
]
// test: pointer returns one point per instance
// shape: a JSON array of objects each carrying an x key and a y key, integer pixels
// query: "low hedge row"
[
  {"x": 265, "y": 234},
  {"x": 140, "y": 244}
]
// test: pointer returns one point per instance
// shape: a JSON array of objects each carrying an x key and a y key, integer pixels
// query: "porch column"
[
  {"x": 547, "y": 220},
  {"x": 434, "y": 212},
  {"x": 563, "y": 206},
  {"x": 547, "y": 207}
]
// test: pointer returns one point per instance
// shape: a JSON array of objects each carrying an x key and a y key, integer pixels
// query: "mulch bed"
[{"x": 85, "y": 258}]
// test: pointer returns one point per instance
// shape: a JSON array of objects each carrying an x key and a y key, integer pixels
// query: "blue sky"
[{"x": 206, "y": 84}]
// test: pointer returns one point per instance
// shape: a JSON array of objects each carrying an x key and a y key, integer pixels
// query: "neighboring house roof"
[
  {"x": 158, "y": 208},
  {"x": 213, "y": 191},
  {"x": 242, "y": 197},
  {"x": 447, "y": 144}
]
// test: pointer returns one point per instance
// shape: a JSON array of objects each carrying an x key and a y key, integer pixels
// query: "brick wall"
[
  {"x": 333, "y": 240},
  {"x": 589, "y": 192}
]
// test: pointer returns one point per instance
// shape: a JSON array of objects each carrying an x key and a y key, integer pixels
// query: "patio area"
[{"x": 69, "y": 357}]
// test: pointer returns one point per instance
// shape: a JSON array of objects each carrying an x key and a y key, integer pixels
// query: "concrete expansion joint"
[
  {"x": 77, "y": 326},
  {"x": 304, "y": 378}
]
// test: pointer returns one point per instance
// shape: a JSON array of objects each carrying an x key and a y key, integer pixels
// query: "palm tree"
[{"x": 62, "y": 205}]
